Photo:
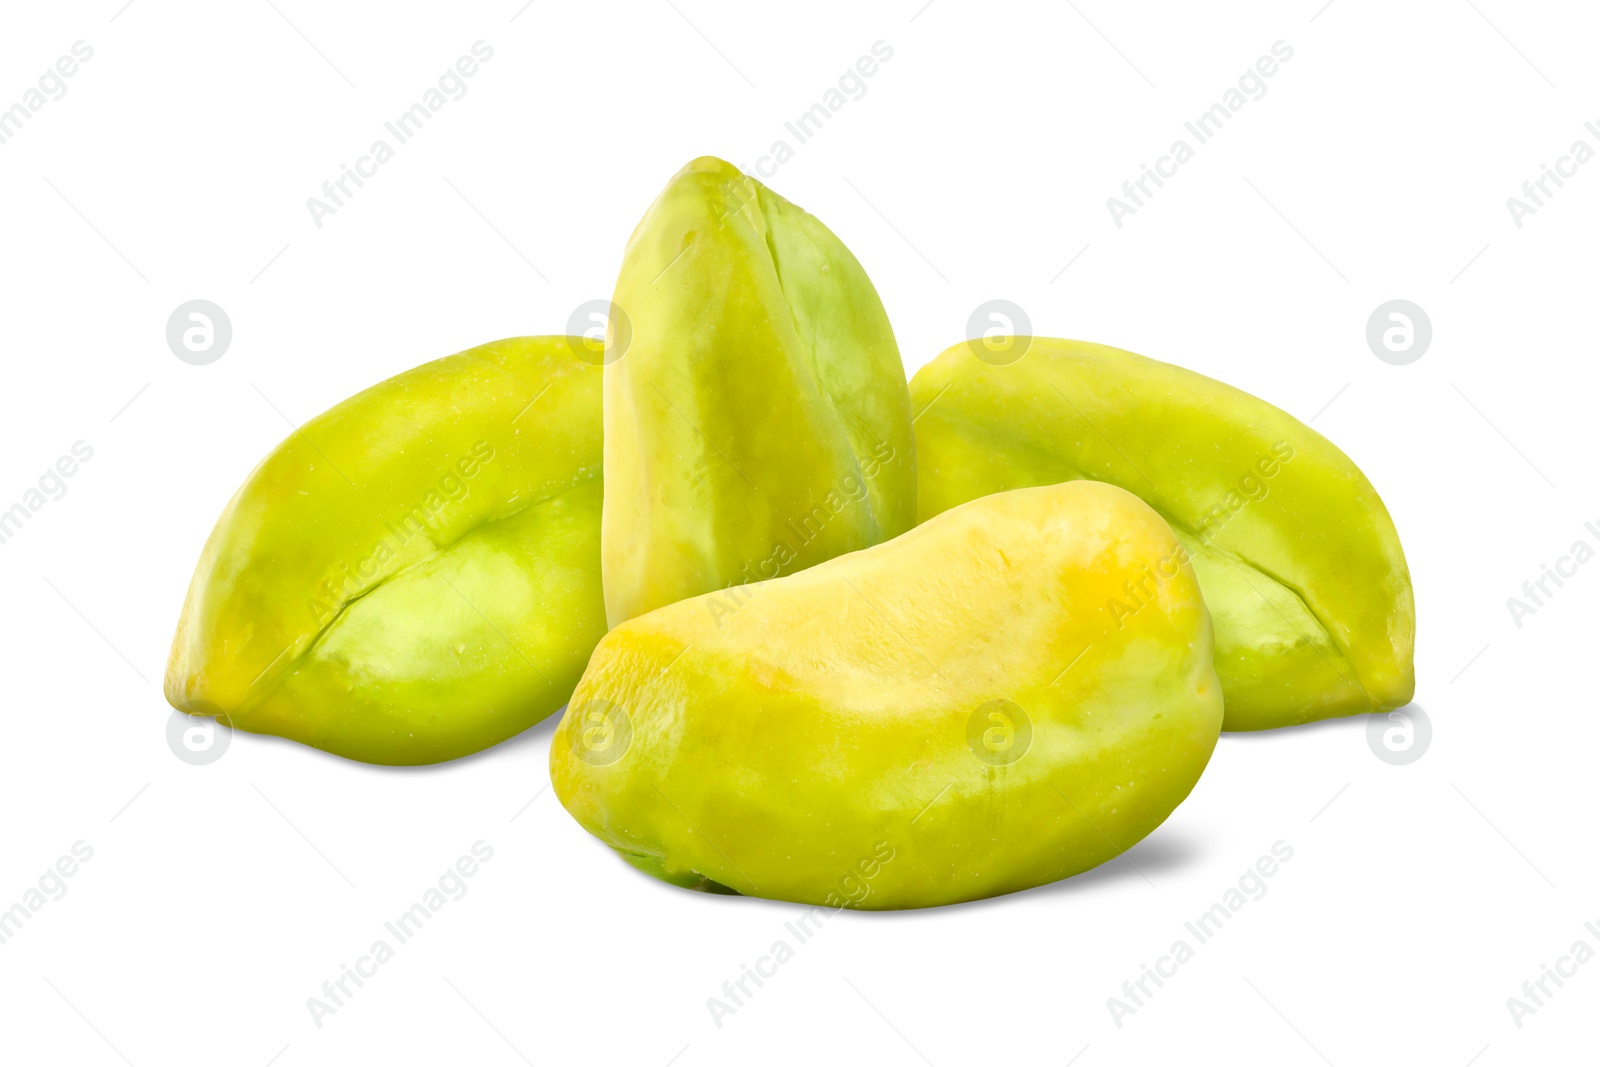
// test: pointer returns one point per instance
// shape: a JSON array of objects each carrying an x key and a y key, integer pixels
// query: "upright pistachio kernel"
[{"x": 758, "y": 422}]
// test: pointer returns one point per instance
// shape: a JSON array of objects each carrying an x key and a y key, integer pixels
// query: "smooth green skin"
[
  {"x": 759, "y": 421},
  {"x": 1301, "y": 567},
  {"x": 813, "y": 745},
  {"x": 413, "y": 575}
]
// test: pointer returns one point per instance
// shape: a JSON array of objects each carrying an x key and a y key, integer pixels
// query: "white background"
[{"x": 977, "y": 165}]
